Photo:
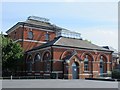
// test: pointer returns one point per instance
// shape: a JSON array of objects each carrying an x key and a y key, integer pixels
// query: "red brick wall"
[
  {"x": 59, "y": 53},
  {"x": 38, "y": 35},
  {"x": 96, "y": 70},
  {"x": 16, "y": 34},
  {"x": 58, "y": 64}
]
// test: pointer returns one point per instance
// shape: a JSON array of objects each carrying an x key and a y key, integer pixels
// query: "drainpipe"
[
  {"x": 63, "y": 67},
  {"x": 23, "y": 51},
  {"x": 22, "y": 35},
  {"x": 51, "y": 60}
]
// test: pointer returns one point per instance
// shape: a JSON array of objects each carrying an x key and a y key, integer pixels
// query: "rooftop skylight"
[
  {"x": 38, "y": 18},
  {"x": 70, "y": 34}
]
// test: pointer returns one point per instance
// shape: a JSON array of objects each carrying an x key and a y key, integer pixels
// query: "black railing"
[{"x": 25, "y": 77}]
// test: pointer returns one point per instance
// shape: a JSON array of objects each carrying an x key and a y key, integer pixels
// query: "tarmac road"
[{"x": 57, "y": 83}]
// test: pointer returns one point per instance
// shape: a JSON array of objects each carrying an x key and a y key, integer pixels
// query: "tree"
[
  {"x": 116, "y": 74},
  {"x": 87, "y": 41},
  {"x": 12, "y": 56}
]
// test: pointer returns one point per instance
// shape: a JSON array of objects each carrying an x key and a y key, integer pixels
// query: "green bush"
[
  {"x": 53, "y": 75},
  {"x": 116, "y": 74}
]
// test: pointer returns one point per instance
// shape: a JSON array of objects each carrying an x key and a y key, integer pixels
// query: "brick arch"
[
  {"x": 74, "y": 59},
  {"x": 65, "y": 53},
  {"x": 37, "y": 54},
  {"x": 87, "y": 53},
  {"x": 29, "y": 63},
  {"x": 31, "y": 57},
  {"x": 104, "y": 60},
  {"x": 90, "y": 63},
  {"x": 44, "y": 54},
  {"x": 104, "y": 57},
  {"x": 46, "y": 60}
]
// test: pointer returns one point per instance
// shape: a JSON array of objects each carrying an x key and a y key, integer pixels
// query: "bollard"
[
  {"x": 11, "y": 77},
  {"x": 115, "y": 80}
]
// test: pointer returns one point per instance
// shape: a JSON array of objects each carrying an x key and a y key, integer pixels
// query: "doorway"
[{"x": 75, "y": 71}]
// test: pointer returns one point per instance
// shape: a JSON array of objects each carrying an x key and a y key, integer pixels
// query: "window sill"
[
  {"x": 86, "y": 71},
  {"x": 30, "y": 38}
]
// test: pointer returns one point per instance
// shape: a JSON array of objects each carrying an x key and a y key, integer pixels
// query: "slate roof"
[
  {"x": 115, "y": 52},
  {"x": 73, "y": 43},
  {"x": 36, "y": 24},
  {"x": 111, "y": 48}
]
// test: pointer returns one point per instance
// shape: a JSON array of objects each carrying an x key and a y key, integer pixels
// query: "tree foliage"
[
  {"x": 12, "y": 55},
  {"x": 116, "y": 74},
  {"x": 87, "y": 41}
]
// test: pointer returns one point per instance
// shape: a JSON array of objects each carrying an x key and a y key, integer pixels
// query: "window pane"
[
  {"x": 47, "y": 37},
  {"x": 37, "y": 57},
  {"x": 30, "y": 35},
  {"x": 29, "y": 66},
  {"x": 86, "y": 64}
]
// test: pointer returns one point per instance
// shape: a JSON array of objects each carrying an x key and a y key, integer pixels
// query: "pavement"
[{"x": 58, "y": 83}]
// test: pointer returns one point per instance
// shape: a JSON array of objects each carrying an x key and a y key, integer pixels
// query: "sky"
[{"x": 96, "y": 21}]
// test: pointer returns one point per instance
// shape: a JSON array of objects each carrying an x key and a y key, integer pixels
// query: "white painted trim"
[
  {"x": 13, "y": 29},
  {"x": 17, "y": 26},
  {"x": 57, "y": 71},
  {"x": 29, "y": 73},
  {"x": 57, "y": 41},
  {"x": 79, "y": 49},
  {"x": 86, "y": 71},
  {"x": 102, "y": 73},
  {"x": 57, "y": 60},
  {"x": 85, "y": 74},
  {"x": 38, "y": 50},
  {"x": 95, "y": 71},
  {"x": 70, "y": 74},
  {"x": 109, "y": 62},
  {"x": 38, "y": 28},
  {"x": 79, "y": 74},
  {"x": 47, "y": 71},
  {"x": 18, "y": 40},
  {"x": 29, "y": 41},
  {"x": 37, "y": 73},
  {"x": 44, "y": 48},
  {"x": 33, "y": 41},
  {"x": 41, "y": 71},
  {"x": 46, "y": 74}
]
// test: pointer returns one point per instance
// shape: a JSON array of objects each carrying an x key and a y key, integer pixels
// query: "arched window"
[
  {"x": 36, "y": 60},
  {"x": 101, "y": 66},
  {"x": 47, "y": 36},
  {"x": 37, "y": 57},
  {"x": 86, "y": 66},
  {"x": 29, "y": 63},
  {"x": 30, "y": 35},
  {"x": 46, "y": 59}
]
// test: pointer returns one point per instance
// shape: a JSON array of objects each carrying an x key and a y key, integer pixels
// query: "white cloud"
[
  {"x": 102, "y": 13},
  {"x": 101, "y": 37}
]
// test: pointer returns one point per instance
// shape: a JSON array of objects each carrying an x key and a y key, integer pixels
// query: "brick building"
[
  {"x": 51, "y": 50},
  {"x": 32, "y": 32}
]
